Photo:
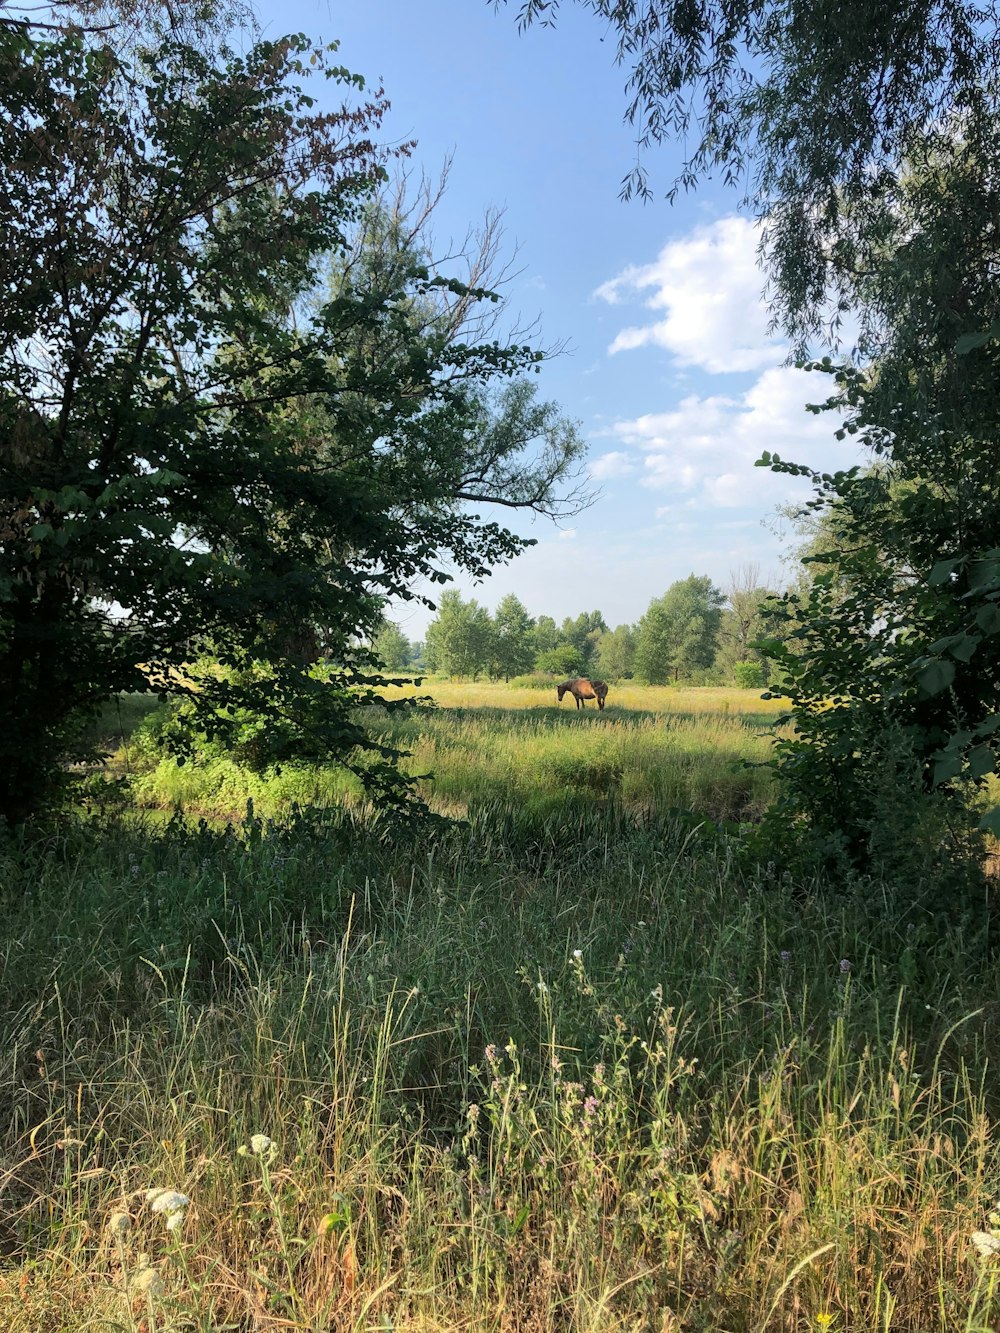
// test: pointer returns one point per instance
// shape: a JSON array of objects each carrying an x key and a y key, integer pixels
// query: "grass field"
[
  {"x": 577, "y": 1064},
  {"x": 652, "y": 748}
]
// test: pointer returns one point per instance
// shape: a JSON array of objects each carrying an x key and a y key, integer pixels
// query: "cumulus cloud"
[
  {"x": 706, "y": 291},
  {"x": 614, "y": 464},
  {"x": 704, "y": 449}
]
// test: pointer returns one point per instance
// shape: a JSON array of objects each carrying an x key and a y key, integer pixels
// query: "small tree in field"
[
  {"x": 616, "y": 653},
  {"x": 392, "y": 648}
]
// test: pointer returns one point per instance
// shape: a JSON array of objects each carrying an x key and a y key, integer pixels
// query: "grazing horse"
[{"x": 581, "y": 689}]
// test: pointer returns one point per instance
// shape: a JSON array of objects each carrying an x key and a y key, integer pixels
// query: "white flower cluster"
[{"x": 169, "y": 1202}]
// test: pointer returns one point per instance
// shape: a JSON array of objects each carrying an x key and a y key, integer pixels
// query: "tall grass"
[
  {"x": 569, "y": 1071},
  {"x": 682, "y": 749},
  {"x": 577, "y": 1063}
]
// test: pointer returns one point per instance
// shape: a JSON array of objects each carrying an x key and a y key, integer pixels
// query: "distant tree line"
[{"x": 694, "y": 632}]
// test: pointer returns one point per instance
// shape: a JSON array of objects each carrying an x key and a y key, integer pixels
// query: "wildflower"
[
  {"x": 542, "y": 988},
  {"x": 119, "y": 1223},
  {"x": 148, "y": 1282},
  {"x": 824, "y": 1319},
  {"x": 986, "y": 1243},
  {"x": 786, "y": 955},
  {"x": 490, "y": 1054},
  {"x": 260, "y": 1144},
  {"x": 578, "y": 955},
  {"x": 590, "y": 1106},
  {"x": 845, "y": 965},
  {"x": 169, "y": 1202}
]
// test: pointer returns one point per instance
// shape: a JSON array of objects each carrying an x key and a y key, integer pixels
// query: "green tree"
[
  {"x": 512, "y": 649},
  {"x": 392, "y": 649},
  {"x": 898, "y": 627},
  {"x": 544, "y": 635},
  {"x": 616, "y": 653},
  {"x": 198, "y": 451},
  {"x": 745, "y": 620},
  {"x": 583, "y": 632},
  {"x": 460, "y": 640},
  {"x": 678, "y": 635},
  {"x": 563, "y": 660}
]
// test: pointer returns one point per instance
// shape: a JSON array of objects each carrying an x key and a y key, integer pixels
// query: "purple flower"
[
  {"x": 590, "y": 1106},
  {"x": 845, "y": 965},
  {"x": 786, "y": 955}
]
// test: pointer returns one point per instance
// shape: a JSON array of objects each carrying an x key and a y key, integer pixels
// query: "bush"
[
  {"x": 563, "y": 660},
  {"x": 749, "y": 675},
  {"x": 536, "y": 680}
]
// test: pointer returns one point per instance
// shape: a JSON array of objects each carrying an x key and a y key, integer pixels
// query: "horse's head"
[
  {"x": 561, "y": 691},
  {"x": 600, "y": 692}
]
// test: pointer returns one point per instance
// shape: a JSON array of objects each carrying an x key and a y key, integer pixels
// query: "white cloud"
[
  {"x": 567, "y": 535},
  {"x": 708, "y": 286},
  {"x": 704, "y": 449},
  {"x": 614, "y": 464}
]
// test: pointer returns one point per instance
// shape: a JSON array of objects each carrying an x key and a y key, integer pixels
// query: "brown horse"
[{"x": 581, "y": 688}]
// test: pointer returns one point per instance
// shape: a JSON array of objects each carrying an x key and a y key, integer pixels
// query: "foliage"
[
  {"x": 678, "y": 635},
  {"x": 583, "y": 632},
  {"x": 563, "y": 660},
  {"x": 749, "y": 675},
  {"x": 544, "y": 635},
  {"x": 806, "y": 107},
  {"x": 392, "y": 648},
  {"x": 616, "y": 653},
  {"x": 200, "y": 452},
  {"x": 899, "y": 629},
  {"x": 511, "y": 643},
  {"x": 460, "y": 640},
  {"x": 745, "y": 619}
]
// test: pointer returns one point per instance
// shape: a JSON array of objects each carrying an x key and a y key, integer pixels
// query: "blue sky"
[{"x": 669, "y": 369}]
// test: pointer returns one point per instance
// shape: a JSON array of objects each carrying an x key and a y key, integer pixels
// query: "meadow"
[
  {"x": 585, "y": 1060},
  {"x": 652, "y": 748}
]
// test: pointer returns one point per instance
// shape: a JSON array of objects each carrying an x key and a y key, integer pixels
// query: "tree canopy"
[
  {"x": 802, "y": 106},
  {"x": 678, "y": 635},
  {"x": 205, "y": 459}
]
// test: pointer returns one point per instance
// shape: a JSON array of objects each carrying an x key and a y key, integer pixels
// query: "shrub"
[{"x": 749, "y": 675}]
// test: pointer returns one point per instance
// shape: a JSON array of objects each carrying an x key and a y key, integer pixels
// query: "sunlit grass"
[
  {"x": 538, "y": 1076},
  {"x": 671, "y": 749}
]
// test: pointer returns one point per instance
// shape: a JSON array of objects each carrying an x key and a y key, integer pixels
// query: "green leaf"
[
  {"x": 968, "y": 342},
  {"x": 990, "y": 822},
  {"x": 942, "y": 572},
  {"x": 981, "y": 761},
  {"x": 936, "y": 676},
  {"x": 965, "y": 646},
  {"x": 947, "y": 767},
  {"x": 988, "y": 618}
]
